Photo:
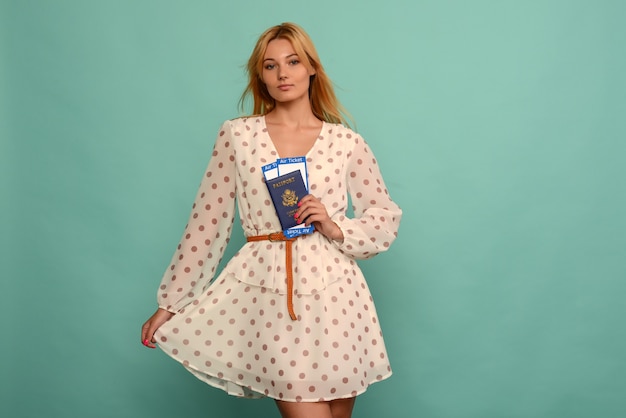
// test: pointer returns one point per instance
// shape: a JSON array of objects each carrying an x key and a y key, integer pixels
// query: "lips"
[{"x": 285, "y": 87}]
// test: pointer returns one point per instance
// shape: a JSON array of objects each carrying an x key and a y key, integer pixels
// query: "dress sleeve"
[
  {"x": 207, "y": 232},
  {"x": 376, "y": 217}
]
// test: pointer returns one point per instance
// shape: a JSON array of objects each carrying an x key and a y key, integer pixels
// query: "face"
[{"x": 285, "y": 76}]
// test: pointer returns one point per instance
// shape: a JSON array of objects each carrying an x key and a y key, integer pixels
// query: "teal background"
[{"x": 500, "y": 129}]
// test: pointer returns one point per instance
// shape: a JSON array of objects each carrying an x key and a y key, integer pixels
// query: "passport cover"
[{"x": 286, "y": 191}]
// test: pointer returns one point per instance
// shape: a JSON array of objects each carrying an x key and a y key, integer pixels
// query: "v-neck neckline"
[{"x": 273, "y": 146}]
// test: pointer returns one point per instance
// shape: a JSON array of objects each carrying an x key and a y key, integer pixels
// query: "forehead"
[{"x": 279, "y": 48}]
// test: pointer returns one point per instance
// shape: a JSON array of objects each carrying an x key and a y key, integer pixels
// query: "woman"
[{"x": 288, "y": 318}]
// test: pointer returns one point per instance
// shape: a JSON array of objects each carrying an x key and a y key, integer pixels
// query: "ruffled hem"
[{"x": 252, "y": 392}]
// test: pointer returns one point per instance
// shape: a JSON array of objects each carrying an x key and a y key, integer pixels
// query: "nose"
[{"x": 281, "y": 73}]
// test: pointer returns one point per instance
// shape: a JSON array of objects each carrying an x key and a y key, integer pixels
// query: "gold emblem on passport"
[{"x": 290, "y": 198}]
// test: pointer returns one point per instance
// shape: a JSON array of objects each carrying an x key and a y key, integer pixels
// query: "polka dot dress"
[{"x": 234, "y": 332}]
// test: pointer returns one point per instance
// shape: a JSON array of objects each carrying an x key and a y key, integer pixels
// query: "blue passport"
[{"x": 286, "y": 191}]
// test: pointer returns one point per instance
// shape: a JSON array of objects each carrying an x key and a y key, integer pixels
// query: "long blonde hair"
[{"x": 324, "y": 103}]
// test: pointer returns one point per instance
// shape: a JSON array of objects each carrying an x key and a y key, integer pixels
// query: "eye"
[
  {"x": 294, "y": 61},
  {"x": 269, "y": 66}
]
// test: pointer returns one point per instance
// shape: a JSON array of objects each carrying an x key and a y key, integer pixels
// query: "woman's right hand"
[{"x": 148, "y": 329}]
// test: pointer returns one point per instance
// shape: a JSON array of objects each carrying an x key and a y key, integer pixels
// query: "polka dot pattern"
[{"x": 234, "y": 332}]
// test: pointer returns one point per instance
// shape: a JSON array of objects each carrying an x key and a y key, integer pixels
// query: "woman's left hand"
[{"x": 312, "y": 211}]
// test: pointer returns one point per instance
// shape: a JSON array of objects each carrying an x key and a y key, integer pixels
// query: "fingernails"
[{"x": 146, "y": 342}]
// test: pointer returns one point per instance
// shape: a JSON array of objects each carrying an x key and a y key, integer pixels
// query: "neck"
[{"x": 293, "y": 113}]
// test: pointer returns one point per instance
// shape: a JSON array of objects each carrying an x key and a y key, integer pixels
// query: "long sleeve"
[
  {"x": 207, "y": 232},
  {"x": 376, "y": 217}
]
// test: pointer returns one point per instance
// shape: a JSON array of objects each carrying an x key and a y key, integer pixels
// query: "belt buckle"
[{"x": 274, "y": 237}]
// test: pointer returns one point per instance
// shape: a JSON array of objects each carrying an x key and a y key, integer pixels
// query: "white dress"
[{"x": 235, "y": 332}]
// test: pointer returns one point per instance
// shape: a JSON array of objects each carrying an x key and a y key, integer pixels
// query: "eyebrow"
[{"x": 288, "y": 56}]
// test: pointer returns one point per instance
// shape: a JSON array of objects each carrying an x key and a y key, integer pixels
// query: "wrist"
[{"x": 337, "y": 233}]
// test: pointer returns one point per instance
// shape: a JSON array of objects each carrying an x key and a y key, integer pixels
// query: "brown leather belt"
[{"x": 279, "y": 236}]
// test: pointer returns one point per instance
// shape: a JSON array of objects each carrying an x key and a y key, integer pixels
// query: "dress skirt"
[{"x": 240, "y": 338}]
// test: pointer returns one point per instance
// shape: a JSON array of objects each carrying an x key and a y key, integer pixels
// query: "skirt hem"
[{"x": 239, "y": 390}]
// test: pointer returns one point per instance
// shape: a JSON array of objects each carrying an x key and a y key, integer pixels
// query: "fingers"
[
  {"x": 311, "y": 210},
  {"x": 151, "y": 325},
  {"x": 147, "y": 335}
]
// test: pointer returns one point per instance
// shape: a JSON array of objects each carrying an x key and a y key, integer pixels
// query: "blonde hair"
[{"x": 324, "y": 103}]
